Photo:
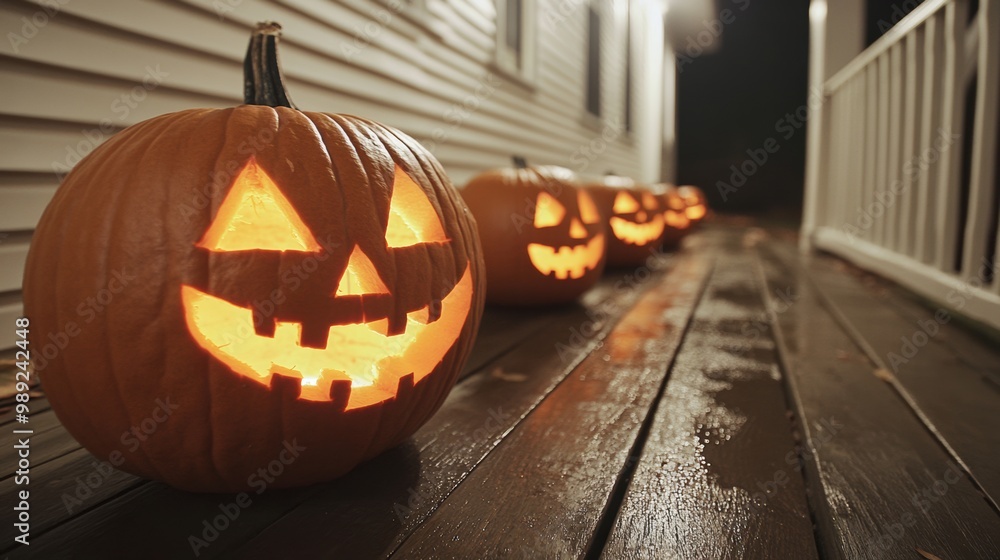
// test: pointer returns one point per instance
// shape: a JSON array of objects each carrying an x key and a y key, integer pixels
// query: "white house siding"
[{"x": 72, "y": 74}]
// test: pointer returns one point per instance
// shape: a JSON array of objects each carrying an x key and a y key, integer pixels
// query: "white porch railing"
[{"x": 885, "y": 187}]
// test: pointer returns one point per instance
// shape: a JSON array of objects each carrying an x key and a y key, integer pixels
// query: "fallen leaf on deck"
[
  {"x": 884, "y": 375},
  {"x": 499, "y": 373},
  {"x": 927, "y": 555}
]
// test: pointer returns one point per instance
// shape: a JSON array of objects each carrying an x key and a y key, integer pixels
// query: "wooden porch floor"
[{"x": 737, "y": 402}]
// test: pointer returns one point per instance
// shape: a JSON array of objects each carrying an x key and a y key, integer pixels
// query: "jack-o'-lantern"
[
  {"x": 543, "y": 238},
  {"x": 293, "y": 278},
  {"x": 634, "y": 218},
  {"x": 676, "y": 222},
  {"x": 697, "y": 207}
]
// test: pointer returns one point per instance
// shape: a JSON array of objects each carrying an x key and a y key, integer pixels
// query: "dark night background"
[{"x": 735, "y": 98}]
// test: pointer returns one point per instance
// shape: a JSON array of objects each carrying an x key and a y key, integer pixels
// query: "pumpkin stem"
[
  {"x": 519, "y": 162},
  {"x": 263, "y": 83}
]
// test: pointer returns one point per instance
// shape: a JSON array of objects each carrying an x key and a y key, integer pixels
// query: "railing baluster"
[
  {"x": 891, "y": 188},
  {"x": 882, "y": 167},
  {"x": 928, "y": 180},
  {"x": 911, "y": 129},
  {"x": 952, "y": 98},
  {"x": 984, "y": 148},
  {"x": 870, "y": 182}
]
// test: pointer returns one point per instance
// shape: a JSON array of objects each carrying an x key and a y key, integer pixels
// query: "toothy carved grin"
[
  {"x": 567, "y": 262},
  {"x": 637, "y": 234},
  {"x": 358, "y": 358}
]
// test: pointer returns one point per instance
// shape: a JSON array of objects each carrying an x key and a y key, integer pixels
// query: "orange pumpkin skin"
[
  {"x": 677, "y": 224},
  {"x": 697, "y": 205},
  {"x": 135, "y": 210},
  {"x": 507, "y": 204},
  {"x": 641, "y": 220}
]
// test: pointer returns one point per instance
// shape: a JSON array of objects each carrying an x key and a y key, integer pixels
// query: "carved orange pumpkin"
[
  {"x": 697, "y": 207},
  {"x": 675, "y": 219},
  {"x": 634, "y": 218},
  {"x": 298, "y": 279},
  {"x": 543, "y": 239}
]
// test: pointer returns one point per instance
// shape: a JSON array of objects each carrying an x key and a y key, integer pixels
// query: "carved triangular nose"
[
  {"x": 641, "y": 216},
  {"x": 576, "y": 229}
]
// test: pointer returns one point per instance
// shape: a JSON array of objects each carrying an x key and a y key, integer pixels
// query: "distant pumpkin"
[
  {"x": 321, "y": 291},
  {"x": 694, "y": 198},
  {"x": 677, "y": 224},
  {"x": 633, "y": 216},
  {"x": 543, "y": 238}
]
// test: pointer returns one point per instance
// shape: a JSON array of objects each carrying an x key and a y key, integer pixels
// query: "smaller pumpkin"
[
  {"x": 543, "y": 238},
  {"x": 634, "y": 216},
  {"x": 697, "y": 206},
  {"x": 676, "y": 223}
]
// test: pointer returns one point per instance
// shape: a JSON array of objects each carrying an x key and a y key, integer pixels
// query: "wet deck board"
[
  {"x": 884, "y": 487},
  {"x": 917, "y": 352},
  {"x": 719, "y": 476},
  {"x": 640, "y": 423},
  {"x": 542, "y": 492}
]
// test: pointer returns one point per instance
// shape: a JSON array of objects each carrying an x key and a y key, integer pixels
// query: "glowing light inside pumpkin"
[
  {"x": 256, "y": 216},
  {"x": 360, "y": 276},
  {"x": 548, "y": 211},
  {"x": 412, "y": 217},
  {"x": 372, "y": 362},
  {"x": 637, "y": 234},
  {"x": 625, "y": 203},
  {"x": 696, "y": 212},
  {"x": 567, "y": 262},
  {"x": 677, "y": 220},
  {"x": 360, "y": 363}
]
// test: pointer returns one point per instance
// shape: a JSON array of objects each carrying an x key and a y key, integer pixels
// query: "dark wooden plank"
[
  {"x": 882, "y": 487},
  {"x": 38, "y": 404},
  {"x": 48, "y": 445},
  {"x": 542, "y": 492},
  {"x": 956, "y": 399},
  {"x": 39, "y": 423},
  {"x": 719, "y": 476},
  {"x": 481, "y": 408},
  {"x": 65, "y": 487}
]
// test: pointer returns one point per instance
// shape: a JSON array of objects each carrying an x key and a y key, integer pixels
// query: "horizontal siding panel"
[
  {"x": 9, "y": 312},
  {"x": 23, "y": 204},
  {"x": 418, "y": 72},
  {"x": 12, "y": 257}
]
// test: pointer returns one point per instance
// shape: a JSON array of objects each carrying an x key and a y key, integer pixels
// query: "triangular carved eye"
[
  {"x": 360, "y": 277},
  {"x": 412, "y": 217},
  {"x": 256, "y": 216},
  {"x": 625, "y": 203},
  {"x": 548, "y": 211}
]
